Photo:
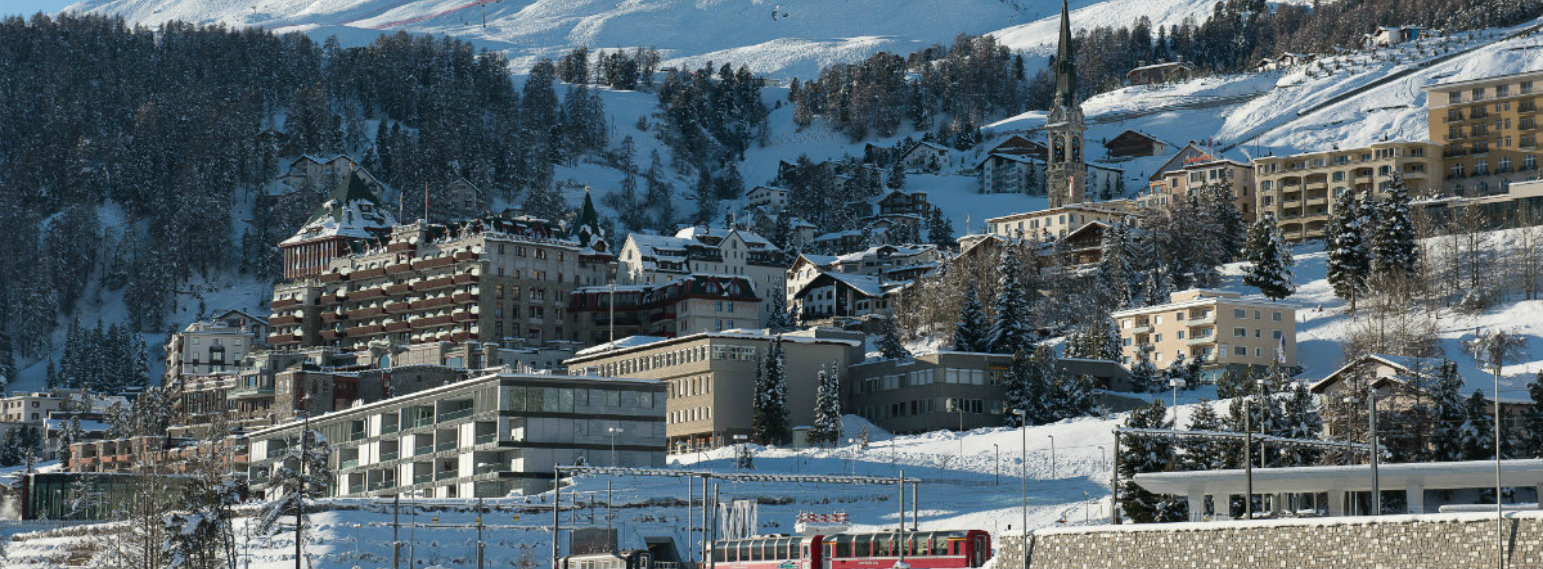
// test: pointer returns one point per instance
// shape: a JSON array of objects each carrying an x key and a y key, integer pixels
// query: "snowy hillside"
[{"x": 782, "y": 38}]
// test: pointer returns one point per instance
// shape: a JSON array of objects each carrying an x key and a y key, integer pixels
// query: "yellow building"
[
  {"x": 1222, "y": 327},
  {"x": 1301, "y": 189},
  {"x": 1488, "y": 131},
  {"x": 1057, "y": 222},
  {"x": 1203, "y": 171}
]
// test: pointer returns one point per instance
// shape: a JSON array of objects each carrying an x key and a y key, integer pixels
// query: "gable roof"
[
  {"x": 1176, "y": 162},
  {"x": 353, "y": 211}
]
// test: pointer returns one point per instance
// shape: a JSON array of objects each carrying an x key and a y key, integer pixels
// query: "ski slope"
[{"x": 779, "y": 38}]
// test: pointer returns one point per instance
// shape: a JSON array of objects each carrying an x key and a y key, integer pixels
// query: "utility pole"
[
  {"x": 1371, "y": 399},
  {"x": 557, "y": 499},
  {"x": 901, "y": 545},
  {"x": 396, "y": 528},
  {"x": 915, "y": 524},
  {"x": 305, "y": 432},
  {"x": 480, "y": 544},
  {"x": 1114, "y": 486},
  {"x": 712, "y": 563},
  {"x": 690, "y": 495},
  {"x": 704, "y": 519},
  {"x": 1248, "y": 459}
]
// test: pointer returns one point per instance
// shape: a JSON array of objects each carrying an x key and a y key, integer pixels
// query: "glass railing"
[
  {"x": 388, "y": 456},
  {"x": 423, "y": 449},
  {"x": 446, "y": 474},
  {"x": 446, "y": 445},
  {"x": 485, "y": 439},
  {"x": 453, "y": 415},
  {"x": 357, "y": 435},
  {"x": 387, "y": 429},
  {"x": 349, "y": 463},
  {"x": 422, "y": 478}
]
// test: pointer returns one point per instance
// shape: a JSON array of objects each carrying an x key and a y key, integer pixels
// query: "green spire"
[
  {"x": 588, "y": 217},
  {"x": 1065, "y": 63}
]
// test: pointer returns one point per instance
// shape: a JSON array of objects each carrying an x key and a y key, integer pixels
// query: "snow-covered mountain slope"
[{"x": 782, "y": 38}]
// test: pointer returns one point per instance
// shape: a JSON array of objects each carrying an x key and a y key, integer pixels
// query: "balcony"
[
  {"x": 331, "y": 316},
  {"x": 398, "y": 289},
  {"x": 385, "y": 456},
  {"x": 367, "y": 294},
  {"x": 444, "y": 446},
  {"x": 1207, "y": 321},
  {"x": 463, "y": 316},
  {"x": 466, "y": 278},
  {"x": 423, "y": 421},
  {"x": 433, "y": 283},
  {"x": 368, "y": 274},
  {"x": 398, "y": 268},
  {"x": 350, "y": 463},
  {"x": 357, "y": 436},
  {"x": 423, "y": 478},
  {"x": 363, "y": 313},
  {"x": 431, "y": 321},
  {"x": 429, "y": 303},
  {"x": 446, "y": 474},
  {"x": 457, "y": 414},
  {"x": 332, "y": 277},
  {"x": 421, "y": 450},
  {"x": 465, "y": 255},
  {"x": 489, "y": 438},
  {"x": 421, "y": 264},
  {"x": 284, "y": 303},
  {"x": 283, "y": 319},
  {"x": 397, "y": 326},
  {"x": 462, "y": 297},
  {"x": 1200, "y": 341},
  {"x": 249, "y": 391},
  {"x": 332, "y": 334},
  {"x": 1141, "y": 330}
]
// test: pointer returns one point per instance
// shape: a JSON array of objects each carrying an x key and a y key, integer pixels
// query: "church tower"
[{"x": 1066, "y": 172}]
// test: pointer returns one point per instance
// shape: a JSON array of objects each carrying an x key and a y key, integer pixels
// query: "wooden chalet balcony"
[
  {"x": 331, "y": 316},
  {"x": 330, "y": 298},
  {"x": 398, "y": 306},
  {"x": 465, "y": 278},
  {"x": 434, "y": 283},
  {"x": 662, "y": 316},
  {"x": 398, "y": 289},
  {"x": 436, "y": 262},
  {"x": 432, "y": 303},
  {"x": 462, "y": 336},
  {"x": 284, "y": 303},
  {"x": 396, "y": 246},
  {"x": 362, "y": 313},
  {"x": 399, "y": 268}
]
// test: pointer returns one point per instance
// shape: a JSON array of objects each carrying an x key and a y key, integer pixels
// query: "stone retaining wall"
[{"x": 1435, "y": 541}]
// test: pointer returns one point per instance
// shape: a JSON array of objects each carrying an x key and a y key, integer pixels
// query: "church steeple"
[{"x": 1065, "y": 63}]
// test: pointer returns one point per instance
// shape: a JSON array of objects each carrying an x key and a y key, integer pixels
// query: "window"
[
  {"x": 1240, "y": 332},
  {"x": 1276, "y": 334},
  {"x": 1239, "y": 313},
  {"x": 1240, "y": 351},
  {"x": 1276, "y": 317},
  {"x": 1157, "y": 338},
  {"x": 1181, "y": 334}
]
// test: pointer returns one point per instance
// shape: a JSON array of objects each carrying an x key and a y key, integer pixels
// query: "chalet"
[
  {"x": 833, "y": 295},
  {"x": 311, "y": 173},
  {"x": 462, "y": 200},
  {"x": 925, "y": 156},
  {"x": 1385, "y": 36},
  {"x": 1131, "y": 144},
  {"x": 1168, "y": 72},
  {"x": 769, "y": 198},
  {"x": 1016, "y": 145},
  {"x": 1266, "y": 64},
  {"x": 1288, "y": 59}
]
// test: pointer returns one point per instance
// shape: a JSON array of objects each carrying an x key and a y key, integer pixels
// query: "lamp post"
[
  {"x": 1176, "y": 384},
  {"x": 1052, "y": 455},
  {"x": 739, "y": 450},
  {"x": 613, "y": 431},
  {"x": 852, "y": 457},
  {"x": 1103, "y": 459},
  {"x": 1023, "y": 468},
  {"x": 953, "y": 405}
]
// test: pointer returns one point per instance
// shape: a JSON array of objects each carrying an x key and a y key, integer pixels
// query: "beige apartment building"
[
  {"x": 1229, "y": 331},
  {"x": 1204, "y": 171},
  {"x": 711, "y": 376},
  {"x": 487, "y": 280},
  {"x": 1057, "y": 222},
  {"x": 1488, "y": 131},
  {"x": 214, "y": 346},
  {"x": 1301, "y": 189}
]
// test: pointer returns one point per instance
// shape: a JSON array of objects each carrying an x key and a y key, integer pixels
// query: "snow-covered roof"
[
  {"x": 1473, "y": 377},
  {"x": 353, "y": 211},
  {"x": 800, "y": 337},
  {"x": 623, "y": 343}
]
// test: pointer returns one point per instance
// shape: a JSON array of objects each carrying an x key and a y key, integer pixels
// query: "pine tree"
[
  {"x": 1204, "y": 454},
  {"x": 1011, "y": 329},
  {"x": 1075, "y": 395},
  {"x": 1229, "y": 229},
  {"x": 1270, "y": 260},
  {"x": 890, "y": 345},
  {"x": 1143, "y": 374},
  {"x": 1349, "y": 260},
  {"x": 1478, "y": 432},
  {"x": 1451, "y": 414},
  {"x": 1044, "y": 381},
  {"x": 970, "y": 332},
  {"x": 780, "y": 320},
  {"x": 1532, "y": 421},
  {"x": 1147, "y": 454},
  {"x": 1016, "y": 391},
  {"x": 1394, "y": 252},
  {"x": 1300, "y": 419},
  {"x": 940, "y": 231},
  {"x": 827, "y": 407},
  {"x": 769, "y": 425},
  {"x": 1178, "y": 369},
  {"x": 896, "y": 176},
  {"x": 706, "y": 198}
]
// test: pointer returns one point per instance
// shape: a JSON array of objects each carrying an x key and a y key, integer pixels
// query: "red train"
[{"x": 956, "y": 549}]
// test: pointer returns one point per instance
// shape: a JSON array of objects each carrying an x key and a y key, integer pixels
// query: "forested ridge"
[{"x": 182, "y": 126}]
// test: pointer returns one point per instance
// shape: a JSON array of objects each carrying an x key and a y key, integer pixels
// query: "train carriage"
[{"x": 957, "y": 549}]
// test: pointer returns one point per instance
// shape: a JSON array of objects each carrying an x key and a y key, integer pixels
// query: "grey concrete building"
[{"x": 488, "y": 436}]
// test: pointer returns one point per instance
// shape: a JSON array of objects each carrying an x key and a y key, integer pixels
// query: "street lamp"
[
  {"x": 1176, "y": 384},
  {"x": 1023, "y": 468},
  {"x": 1052, "y": 456},
  {"x": 613, "y": 431},
  {"x": 852, "y": 457},
  {"x": 953, "y": 405},
  {"x": 1103, "y": 459}
]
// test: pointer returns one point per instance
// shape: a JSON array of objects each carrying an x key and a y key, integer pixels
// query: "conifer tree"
[
  {"x": 769, "y": 425},
  {"x": 1393, "y": 249},
  {"x": 1147, "y": 454},
  {"x": 1270, "y": 260},
  {"x": 827, "y": 407},
  {"x": 1451, "y": 414},
  {"x": 1349, "y": 260},
  {"x": 1204, "y": 454},
  {"x": 1044, "y": 383},
  {"x": 1300, "y": 419},
  {"x": 1011, "y": 329},
  {"x": 1532, "y": 421},
  {"x": 940, "y": 231},
  {"x": 970, "y": 332},
  {"x": 1075, "y": 397},
  {"x": 706, "y": 198},
  {"x": 780, "y": 320},
  {"x": 896, "y": 176},
  {"x": 890, "y": 345},
  {"x": 1017, "y": 395},
  {"x": 1478, "y": 432},
  {"x": 1143, "y": 374}
]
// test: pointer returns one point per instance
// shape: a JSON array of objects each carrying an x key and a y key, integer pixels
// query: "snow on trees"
[
  {"x": 1147, "y": 454},
  {"x": 1143, "y": 375},
  {"x": 971, "y": 331},
  {"x": 769, "y": 424},
  {"x": 827, "y": 406},
  {"x": 302, "y": 474},
  {"x": 1011, "y": 329},
  {"x": 889, "y": 344},
  {"x": 1270, "y": 260},
  {"x": 1349, "y": 259},
  {"x": 1393, "y": 248}
]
